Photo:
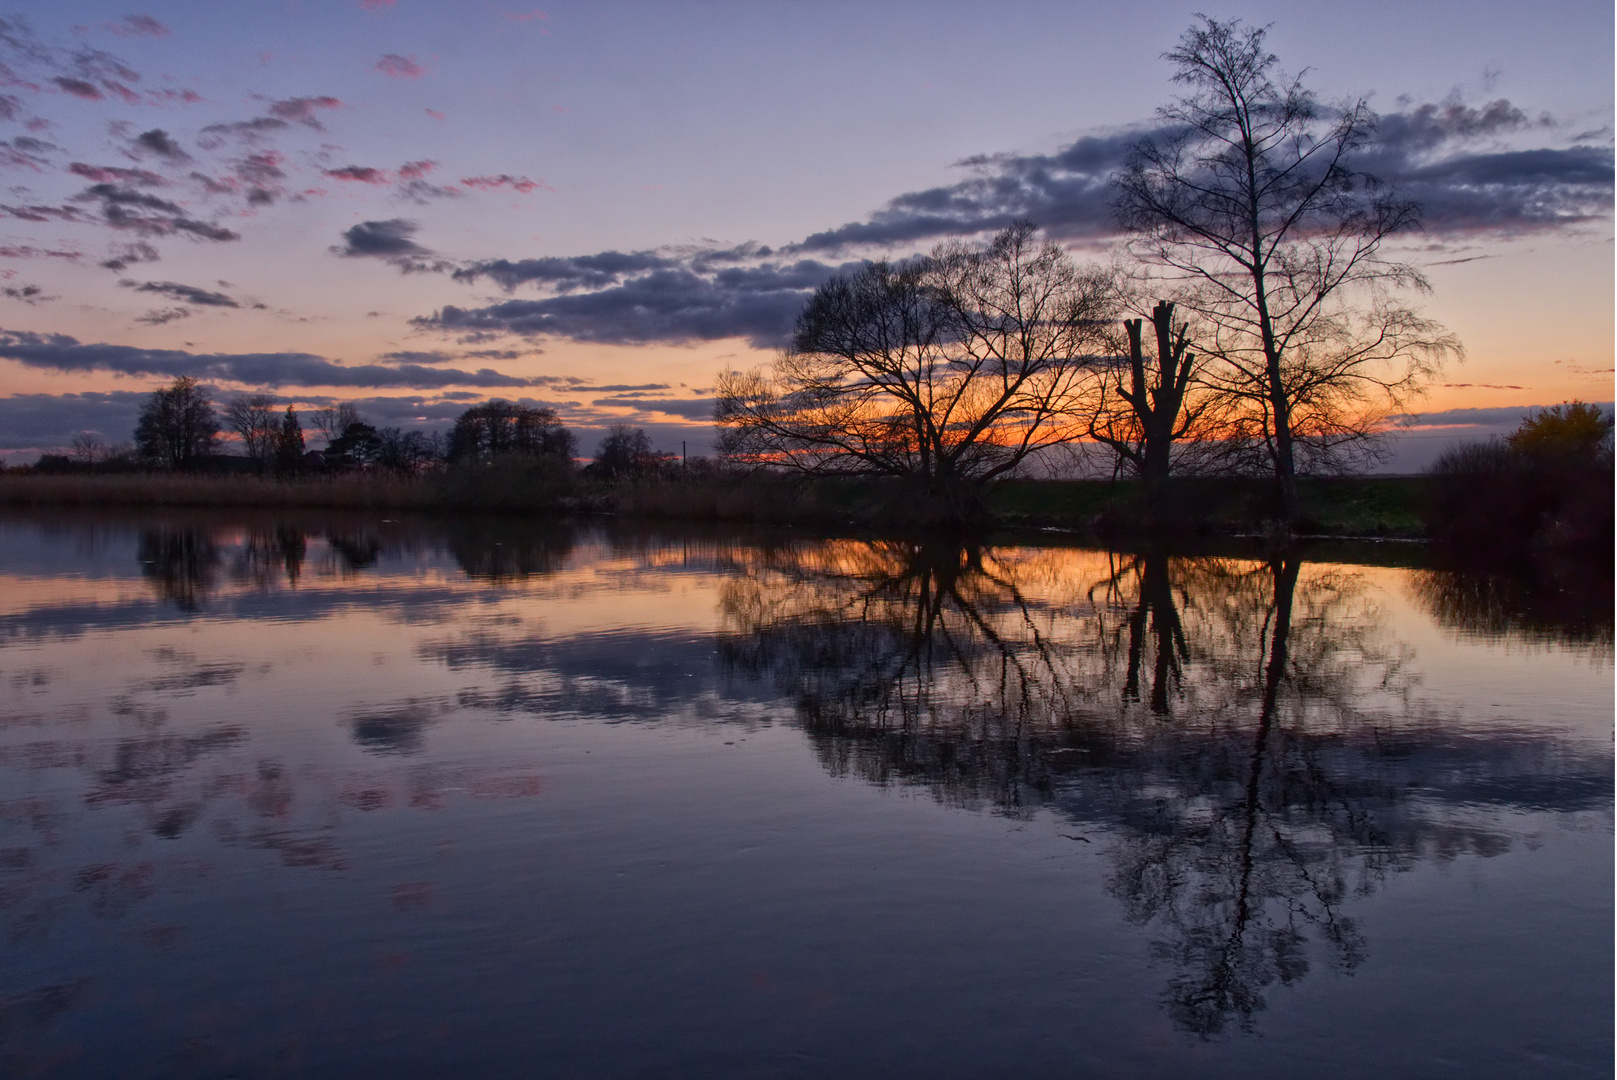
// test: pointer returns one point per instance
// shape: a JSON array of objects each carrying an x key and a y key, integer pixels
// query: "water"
[{"x": 354, "y": 797}]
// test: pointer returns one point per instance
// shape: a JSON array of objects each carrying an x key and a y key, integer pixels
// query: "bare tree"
[
  {"x": 947, "y": 371},
  {"x": 1251, "y": 203},
  {"x": 333, "y": 421},
  {"x": 253, "y": 420},
  {"x": 90, "y": 448}
]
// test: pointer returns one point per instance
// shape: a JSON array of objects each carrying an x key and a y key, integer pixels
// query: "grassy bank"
[{"x": 1364, "y": 506}]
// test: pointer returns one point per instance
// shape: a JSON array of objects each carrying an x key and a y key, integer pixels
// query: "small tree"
[
  {"x": 1143, "y": 434},
  {"x": 1251, "y": 204},
  {"x": 177, "y": 425},
  {"x": 88, "y": 448},
  {"x": 253, "y": 420},
  {"x": 407, "y": 452},
  {"x": 289, "y": 443}
]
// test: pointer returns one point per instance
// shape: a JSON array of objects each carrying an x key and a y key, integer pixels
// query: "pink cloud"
[
  {"x": 400, "y": 67},
  {"x": 415, "y": 170},
  {"x": 187, "y": 96},
  {"x": 435, "y": 114},
  {"x": 138, "y": 26},
  {"x": 27, "y": 252},
  {"x": 504, "y": 180},
  {"x": 362, "y": 174}
]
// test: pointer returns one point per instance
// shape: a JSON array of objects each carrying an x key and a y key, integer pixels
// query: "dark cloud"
[
  {"x": 690, "y": 408},
  {"x": 565, "y": 274},
  {"x": 188, "y": 294},
  {"x": 124, "y": 208},
  {"x": 1433, "y": 152},
  {"x": 407, "y": 356},
  {"x": 1501, "y": 419},
  {"x": 668, "y": 303},
  {"x": 163, "y": 316},
  {"x": 46, "y": 421},
  {"x": 26, "y": 251},
  {"x": 63, "y": 353},
  {"x": 126, "y": 255},
  {"x": 302, "y": 110},
  {"x": 503, "y": 181},
  {"x": 160, "y": 143},
  {"x": 362, "y": 174},
  {"x": 79, "y": 88},
  {"x": 381, "y": 239},
  {"x": 112, "y": 174},
  {"x": 27, "y": 294},
  {"x": 250, "y": 130}
]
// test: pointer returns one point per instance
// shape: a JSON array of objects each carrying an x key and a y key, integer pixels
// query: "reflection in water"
[
  {"x": 1575, "y": 609},
  {"x": 1238, "y": 727},
  {"x": 1240, "y": 745}
]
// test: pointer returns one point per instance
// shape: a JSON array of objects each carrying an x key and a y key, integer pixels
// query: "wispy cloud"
[{"x": 395, "y": 66}]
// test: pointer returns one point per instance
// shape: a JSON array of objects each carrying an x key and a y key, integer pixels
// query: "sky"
[{"x": 599, "y": 206}]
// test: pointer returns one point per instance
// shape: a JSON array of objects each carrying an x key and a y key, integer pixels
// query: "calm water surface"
[{"x": 385, "y": 798}]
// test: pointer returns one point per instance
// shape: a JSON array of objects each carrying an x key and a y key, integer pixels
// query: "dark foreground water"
[{"x": 370, "y": 798}]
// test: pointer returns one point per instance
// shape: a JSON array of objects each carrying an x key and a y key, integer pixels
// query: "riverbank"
[{"x": 1385, "y": 507}]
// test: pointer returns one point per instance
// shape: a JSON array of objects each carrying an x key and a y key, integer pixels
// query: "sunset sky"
[{"x": 598, "y": 206}]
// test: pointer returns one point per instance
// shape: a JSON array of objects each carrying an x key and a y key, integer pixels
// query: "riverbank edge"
[{"x": 1383, "y": 508}]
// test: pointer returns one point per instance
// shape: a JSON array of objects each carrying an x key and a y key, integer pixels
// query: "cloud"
[
  {"x": 301, "y": 110},
  {"x": 60, "y": 352},
  {"x": 147, "y": 215},
  {"x": 126, "y": 255},
  {"x": 27, "y": 294},
  {"x": 138, "y": 26},
  {"x": 164, "y": 316},
  {"x": 188, "y": 294},
  {"x": 566, "y": 274},
  {"x": 381, "y": 239},
  {"x": 1501, "y": 419},
  {"x": 667, "y": 303},
  {"x": 27, "y": 251},
  {"x": 113, "y": 174},
  {"x": 689, "y": 408},
  {"x": 408, "y": 356},
  {"x": 400, "y": 67},
  {"x": 504, "y": 181},
  {"x": 35, "y": 421},
  {"x": 362, "y": 174},
  {"x": 79, "y": 88},
  {"x": 160, "y": 143},
  {"x": 1431, "y": 151}
]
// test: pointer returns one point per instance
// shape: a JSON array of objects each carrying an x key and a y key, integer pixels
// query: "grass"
[{"x": 1359, "y": 506}]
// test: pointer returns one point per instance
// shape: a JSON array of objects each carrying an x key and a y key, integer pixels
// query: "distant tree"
[
  {"x": 358, "y": 447},
  {"x": 946, "y": 372},
  {"x": 289, "y": 443},
  {"x": 332, "y": 421},
  {"x": 495, "y": 428},
  {"x": 177, "y": 425},
  {"x": 253, "y": 420},
  {"x": 1251, "y": 204},
  {"x": 1574, "y": 432},
  {"x": 89, "y": 448},
  {"x": 626, "y": 454},
  {"x": 406, "y": 451}
]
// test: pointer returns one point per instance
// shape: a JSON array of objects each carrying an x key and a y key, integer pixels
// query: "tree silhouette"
[
  {"x": 945, "y": 372},
  {"x": 1252, "y": 206},
  {"x": 177, "y": 425}
]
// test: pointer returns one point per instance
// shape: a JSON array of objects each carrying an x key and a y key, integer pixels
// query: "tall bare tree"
[
  {"x": 946, "y": 371},
  {"x": 1251, "y": 203},
  {"x": 253, "y": 420}
]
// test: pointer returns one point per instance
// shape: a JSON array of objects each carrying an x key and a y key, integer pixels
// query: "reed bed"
[{"x": 157, "y": 489}]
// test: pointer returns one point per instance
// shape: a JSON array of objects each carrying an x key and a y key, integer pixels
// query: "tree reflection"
[
  {"x": 183, "y": 564},
  {"x": 1228, "y": 720},
  {"x": 502, "y": 551}
]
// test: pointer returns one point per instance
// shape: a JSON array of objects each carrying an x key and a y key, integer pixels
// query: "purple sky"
[{"x": 599, "y": 206}]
